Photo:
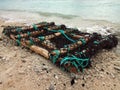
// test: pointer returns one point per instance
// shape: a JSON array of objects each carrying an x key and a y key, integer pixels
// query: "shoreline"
[{"x": 57, "y": 15}]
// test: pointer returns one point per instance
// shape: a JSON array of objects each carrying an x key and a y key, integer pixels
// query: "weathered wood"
[
  {"x": 29, "y": 28},
  {"x": 40, "y": 51},
  {"x": 45, "y": 43},
  {"x": 71, "y": 47},
  {"x": 34, "y": 33},
  {"x": 34, "y": 48}
]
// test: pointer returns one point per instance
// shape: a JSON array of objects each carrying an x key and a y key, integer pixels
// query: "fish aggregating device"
[{"x": 67, "y": 48}]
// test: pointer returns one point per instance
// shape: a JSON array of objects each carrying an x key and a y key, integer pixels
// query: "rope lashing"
[
  {"x": 35, "y": 27},
  {"x": 18, "y": 29},
  {"x": 41, "y": 38},
  {"x": 28, "y": 33},
  {"x": 83, "y": 41},
  {"x": 45, "y": 28},
  {"x": 19, "y": 36},
  {"x": 18, "y": 42},
  {"x": 55, "y": 57},
  {"x": 68, "y": 49},
  {"x": 82, "y": 53},
  {"x": 96, "y": 42},
  {"x": 63, "y": 33},
  {"x": 77, "y": 62},
  {"x": 31, "y": 42}
]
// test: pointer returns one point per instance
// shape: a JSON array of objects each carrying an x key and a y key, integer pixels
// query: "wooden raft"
[{"x": 68, "y": 48}]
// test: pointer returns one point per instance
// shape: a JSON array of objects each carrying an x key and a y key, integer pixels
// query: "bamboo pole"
[
  {"x": 40, "y": 51},
  {"x": 55, "y": 35},
  {"x": 33, "y": 33},
  {"x": 71, "y": 46},
  {"x": 31, "y": 27},
  {"x": 45, "y": 43},
  {"x": 34, "y": 48}
]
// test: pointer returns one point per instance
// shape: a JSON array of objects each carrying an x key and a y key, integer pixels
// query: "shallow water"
[{"x": 88, "y": 9}]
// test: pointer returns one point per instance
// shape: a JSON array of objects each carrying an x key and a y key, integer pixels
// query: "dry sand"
[{"x": 21, "y": 69}]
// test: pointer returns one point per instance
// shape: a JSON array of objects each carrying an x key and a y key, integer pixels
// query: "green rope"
[
  {"x": 18, "y": 29},
  {"x": 41, "y": 38},
  {"x": 77, "y": 62},
  {"x": 46, "y": 28},
  {"x": 83, "y": 41},
  {"x": 28, "y": 33},
  {"x": 55, "y": 57},
  {"x": 18, "y": 42},
  {"x": 35, "y": 27},
  {"x": 19, "y": 36},
  {"x": 96, "y": 42},
  {"x": 68, "y": 49},
  {"x": 31, "y": 42},
  {"x": 63, "y": 33}
]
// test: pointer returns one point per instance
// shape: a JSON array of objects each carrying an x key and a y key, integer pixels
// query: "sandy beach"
[{"x": 21, "y": 69}]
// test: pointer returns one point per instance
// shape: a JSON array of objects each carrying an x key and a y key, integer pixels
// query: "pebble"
[
  {"x": 37, "y": 70},
  {"x": 0, "y": 57},
  {"x": 0, "y": 38},
  {"x": 72, "y": 75},
  {"x": 117, "y": 68},
  {"x": 15, "y": 48},
  {"x": 51, "y": 87},
  {"x": 0, "y": 82},
  {"x": 10, "y": 75},
  {"x": 23, "y": 56},
  {"x": 23, "y": 60},
  {"x": 103, "y": 83},
  {"x": 21, "y": 72},
  {"x": 112, "y": 75},
  {"x": 116, "y": 63},
  {"x": 46, "y": 68},
  {"x": 56, "y": 77},
  {"x": 83, "y": 85},
  {"x": 72, "y": 81},
  {"x": 3, "y": 58}
]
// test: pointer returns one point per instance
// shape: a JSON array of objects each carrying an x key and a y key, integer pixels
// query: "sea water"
[{"x": 108, "y": 10}]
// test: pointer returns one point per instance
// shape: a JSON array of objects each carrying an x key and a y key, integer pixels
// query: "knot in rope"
[
  {"x": 96, "y": 42},
  {"x": 18, "y": 29},
  {"x": 55, "y": 57},
  {"x": 41, "y": 38},
  {"x": 83, "y": 41},
  {"x": 75, "y": 61},
  {"x": 18, "y": 42},
  {"x": 35, "y": 27},
  {"x": 63, "y": 33}
]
